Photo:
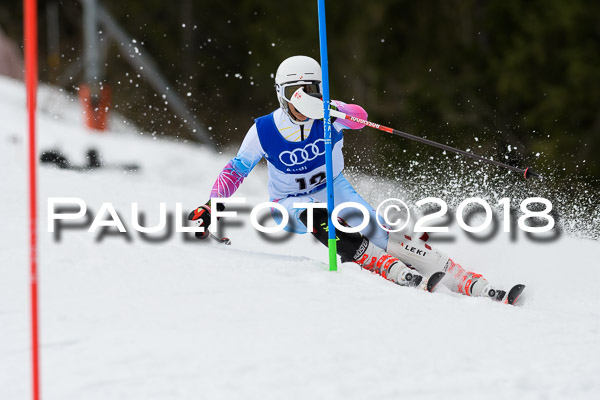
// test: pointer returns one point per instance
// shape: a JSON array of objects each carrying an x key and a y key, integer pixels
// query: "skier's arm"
[
  {"x": 230, "y": 178},
  {"x": 233, "y": 174}
]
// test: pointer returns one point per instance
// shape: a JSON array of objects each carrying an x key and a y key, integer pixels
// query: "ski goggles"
[{"x": 290, "y": 89}]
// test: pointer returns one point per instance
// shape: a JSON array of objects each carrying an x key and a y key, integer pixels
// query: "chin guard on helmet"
[
  {"x": 285, "y": 92},
  {"x": 294, "y": 73}
]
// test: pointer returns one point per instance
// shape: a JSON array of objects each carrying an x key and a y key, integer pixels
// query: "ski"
[
  {"x": 223, "y": 240},
  {"x": 434, "y": 280},
  {"x": 511, "y": 298},
  {"x": 513, "y": 294}
]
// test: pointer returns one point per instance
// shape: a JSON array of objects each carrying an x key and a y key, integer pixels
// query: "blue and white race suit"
[{"x": 295, "y": 155}]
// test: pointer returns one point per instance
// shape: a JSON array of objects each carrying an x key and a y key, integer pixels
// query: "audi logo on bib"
[{"x": 300, "y": 156}]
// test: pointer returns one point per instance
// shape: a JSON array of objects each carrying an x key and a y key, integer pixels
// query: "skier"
[{"x": 293, "y": 146}]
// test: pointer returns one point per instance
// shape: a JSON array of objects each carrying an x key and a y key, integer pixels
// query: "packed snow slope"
[{"x": 261, "y": 319}]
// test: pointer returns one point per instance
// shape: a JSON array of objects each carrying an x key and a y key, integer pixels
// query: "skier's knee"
[
  {"x": 319, "y": 218},
  {"x": 347, "y": 243}
]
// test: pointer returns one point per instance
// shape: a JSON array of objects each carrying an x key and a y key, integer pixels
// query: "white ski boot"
[
  {"x": 375, "y": 259},
  {"x": 472, "y": 284},
  {"x": 427, "y": 260}
]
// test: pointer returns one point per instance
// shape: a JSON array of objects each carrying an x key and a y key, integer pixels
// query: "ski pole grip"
[{"x": 337, "y": 114}]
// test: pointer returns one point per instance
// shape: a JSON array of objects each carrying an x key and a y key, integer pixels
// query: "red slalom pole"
[{"x": 31, "y": 79}]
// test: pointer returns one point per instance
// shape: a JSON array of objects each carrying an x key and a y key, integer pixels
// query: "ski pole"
[
  {"x": 527, "y": 172},
  {"x": 220, "y": 240},
  {"x": 207, "y": 234}
]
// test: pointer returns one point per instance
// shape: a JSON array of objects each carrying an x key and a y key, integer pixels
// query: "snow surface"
[{"x": 262, "y": 319}]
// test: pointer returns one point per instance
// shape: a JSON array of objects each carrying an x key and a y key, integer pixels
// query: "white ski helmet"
[{"x": 293, "y": 73}]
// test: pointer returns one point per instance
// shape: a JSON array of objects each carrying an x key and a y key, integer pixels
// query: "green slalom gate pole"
[{"x": 328, "y": 146}]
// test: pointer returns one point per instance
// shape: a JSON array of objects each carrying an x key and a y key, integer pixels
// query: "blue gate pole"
[{"x": 328, "y": 146}]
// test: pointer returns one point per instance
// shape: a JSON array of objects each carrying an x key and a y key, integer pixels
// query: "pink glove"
[{"x": 350, "y": 109}]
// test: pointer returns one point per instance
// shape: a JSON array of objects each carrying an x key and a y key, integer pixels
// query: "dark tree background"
[{"x": 483, "y": 74}]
